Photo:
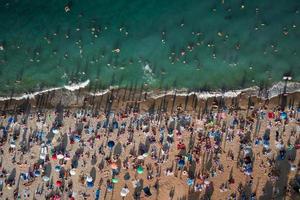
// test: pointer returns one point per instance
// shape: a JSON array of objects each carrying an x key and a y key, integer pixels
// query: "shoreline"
[{"x": 79, "y": 95}]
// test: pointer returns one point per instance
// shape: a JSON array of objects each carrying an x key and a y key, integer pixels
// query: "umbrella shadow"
[
  {"x": 12, "y": 175},
  {"x": 267, "y": 191},
  {"x": 118, "y": 149},
  {"x": 48, "y": 169},
  {"x": 138, "y": 190},
  {"x": 93, "y": 173}
]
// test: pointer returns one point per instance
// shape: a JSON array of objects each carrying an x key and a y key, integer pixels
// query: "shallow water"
[{"x": 207, "y": 44}]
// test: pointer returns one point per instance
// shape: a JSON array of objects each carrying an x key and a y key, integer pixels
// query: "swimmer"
[
  {"x": 1, "y": 47},
  {"x": 67, "y": 8},
  {"x": 117, "y": 50}
]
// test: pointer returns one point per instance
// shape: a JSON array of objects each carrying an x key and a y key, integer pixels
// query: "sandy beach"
[{"x": 151, "y": 149}]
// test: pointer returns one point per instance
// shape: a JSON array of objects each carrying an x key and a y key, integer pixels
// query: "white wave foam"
[
  {"x": 275, "y": 90},
  {"x": 75, "y": 86},
  {"x": 71, "y": 87},
  {"x": 100, "y": 93},
  {"x": 30, "y": 96},
  {"x": 148, "y": 74}
]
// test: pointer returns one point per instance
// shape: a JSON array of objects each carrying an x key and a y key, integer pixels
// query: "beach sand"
[{"x": 169, "y": 187}]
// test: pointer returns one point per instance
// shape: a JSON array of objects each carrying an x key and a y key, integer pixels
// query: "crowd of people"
[{"x": 223, "y": 154}]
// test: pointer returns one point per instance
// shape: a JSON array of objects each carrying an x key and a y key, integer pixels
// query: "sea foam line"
[
  {"x": 71, "y": 87},
  {"x": 275, "y": 90}
]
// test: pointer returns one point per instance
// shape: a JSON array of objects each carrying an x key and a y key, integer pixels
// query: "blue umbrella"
[
  {"x": 57, "y": 168},
  {"x": 115, "y": 125},
  {"x": 110, "y": 188},
  {"x": 90, "y": 184},
  {"x": 190, "y": 182},
  {"x": 24, "y": 176},
  {"x": 105, "y": 124},
  {"x": 111, "y": 144},
  {"x": 283, "y": 115},
  {"x": 181, "y": 163},
  {"x": 77, "y": 138},
  {"x": 11, "y": 120},
  {"x": 37, "y": 173}
]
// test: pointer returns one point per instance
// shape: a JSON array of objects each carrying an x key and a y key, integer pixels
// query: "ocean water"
[{"x": 195, "y": 44}]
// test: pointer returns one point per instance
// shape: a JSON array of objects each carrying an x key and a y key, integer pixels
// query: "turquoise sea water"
[{"x": 195, "y": 44}]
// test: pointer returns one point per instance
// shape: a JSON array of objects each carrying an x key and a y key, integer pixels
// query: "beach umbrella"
[
  {"x": 140, "y": 170},
  {"x": 190, "y": 181},
  {"x": 283, "y": 115},
  {"x": 115, "y": 180},
  {"x": 181, "y": 163},
  {"x": 55, "y": 131},
  {"x": 37, "y": 173},
  {"x": 57, "y": 168},
  {"x": 114, "y": 165},
  {"x": 67, "y": 157},
  {"x": 73, "y": 172},
  {"x": 24, "y": 176},
  {"x": 56, "y": 197},
  {"x": 11, "y": 120},
  {"x": 109, "y": 188},
  {"x": 111, "y": 144},
  {"x": 124, "y": 192},
  {"x": 60, "y": 156},
  {"x": 89, "y": 179},
  {"x": 126, "y": 176},
  {"x": 54, "y": 157},
  {"x": 46, "y": 178},
  {"x": 12, "y": 144},
  {"x": 90, "y": 184},
  {"x": 145, "y": 155},
  {"x": 43, "y": 156},
  {"x": 58, "y": 183},
  {"x": 77, "y": 138},
  {"x": 271, "y": 115}
]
